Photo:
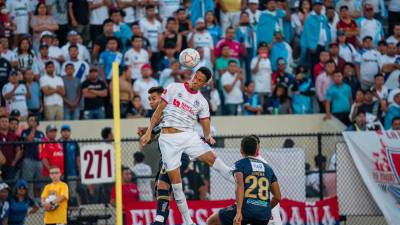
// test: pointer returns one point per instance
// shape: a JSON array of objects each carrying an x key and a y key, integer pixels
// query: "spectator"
[
  {"x": 108, "y": 57},
  {"x": 382, "y": 47},
  {"x": 136, "y": 57},
  {"x": 261, "y": 73},
  {"x": 348, "y": 26},
  {"x": 280, "y": 103},
  {"x": 93, "y": 91},
  {"x": 5, "y": 69},
  {"x": 393, "y": 111},
  {"x": 171, "y": 74},
  {"x": 254, "y": 12},
  {"x": 59, "y": 10},
  {"x": 395, "y": 38},
  {"x": 300, "y": 16},
  {"x": 73, "y": 40},
  {"x": 338, "y": 99},
  {"x": 270, "y": 21},
  {"x": 323, "y": 82},
  {"x": 20, "y": 12},
  {"x": 4, "y": 203},
  {"x": 358, "y": 101},
  {"x": 236, "y": 49},
  {"x": 125, "y": 90},
  {"x": 72, "y": 93},
  {"x": 120, "y": 30},
  {"x": 221, "y": 64},
  {"x": 193, "y": 184},
  {"x": 381, "y": 93},
  {"x": 390, "y": 65},
  {"x": 252, "y": 103},
  {"x": 42, "y": 21},
  {"x": 54, "y": 199},
  {"x": 55, "y": 51},
  {"x": 78, "y": 12},
  {"x": 319, "y": 68},
  {"x": 20, "y": 203},
  {"x": 354, "y": 7},
  {"x": 51, "y": 152},
  {"x": 141, "y": 86},
  {"x": 350, "y": 78},
  {"x": 11, "y": 152},
  {"x": 199, "y": 9},
  {"x": 202, "y": 38},
  {"x": 215, "y": 99},
  {"x": 370, "y": 61},
  {"x": 14, "y": 124},
  {"x": 167, "y": 9},
  {"x": 213, "y": 27},
  {"x": 170, "y": 39},
  {"x": 184, "y": 25},
  {"x": 141, "y": 169},
  {"x": 53, "y": 90},
  {"x": 16, "y": 94},
  {"x": 372, "y": 108},
  {"x": 334, "y": 52},
  {"x": 288, "y": 143},
  {"x": 204, "y": 62},
  {"x": 395, "y": 124},
  {"x": 81, "y": 67},
  {"x": 25, "y": 56},
  {"x": 130, "y": 192},
  {"x": 98, "y": 15},
  {"x": 346, "y": 50},
  {"x": 34, "y": 103},
  {"x": 167, "y": 59},
  {"x": 281, "y": 49},
  {"x": 303, "y": 91},
  {"x": 233, "y": 87},
  {"x": 312, "y": 179},
  {"x": 370, "y": 27},
  {"x": 394, "y": 14},
  {"x": 101, "y": 40},
  {"x": 360, "y": 123},
  {"x": 151, "y": 29},
  {"x": 31, "y": 164},
  {"x": 106, "y": 134},
  {"x": 230, "y": 12},
  {"x": 43, "y": 58},
  {"x": 5, "y": 52},
  {"x": 135, "y": 108},
  {"x": 246, "y": 36},
  {"x": 316, "y": 35},
  {"x": 280, "y": 76}
]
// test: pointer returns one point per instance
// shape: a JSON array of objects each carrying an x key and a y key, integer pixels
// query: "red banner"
[{"x": 292, "y": 212}]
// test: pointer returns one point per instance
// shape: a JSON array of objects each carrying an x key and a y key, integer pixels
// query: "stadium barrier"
[{"x": 90, "y": 204}]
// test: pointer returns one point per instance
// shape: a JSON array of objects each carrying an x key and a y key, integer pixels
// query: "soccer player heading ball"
[{"x": 181, "y": 106}]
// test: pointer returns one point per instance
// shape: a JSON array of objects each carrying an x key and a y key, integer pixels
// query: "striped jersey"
[{"x": 183, "y": 107}]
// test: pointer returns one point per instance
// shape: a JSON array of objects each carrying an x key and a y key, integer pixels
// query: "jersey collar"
[{"x": 186, "y": 84}]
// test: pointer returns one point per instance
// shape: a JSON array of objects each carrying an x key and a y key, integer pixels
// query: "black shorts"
[
  {"x": 226, "y": 216},
  {"x": 162, "y": 175}
]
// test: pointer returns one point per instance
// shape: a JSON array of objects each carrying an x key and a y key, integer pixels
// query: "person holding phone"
[{"x": 16, "y": 94}]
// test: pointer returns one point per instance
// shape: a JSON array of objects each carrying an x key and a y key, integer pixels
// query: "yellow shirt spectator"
[{"x": 58, "y": 215}]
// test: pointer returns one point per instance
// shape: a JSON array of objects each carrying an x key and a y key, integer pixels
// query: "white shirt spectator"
[
  {"x": 383, "y": 94},
  {"x": 98, "y": 15},
  {"x": 370, "y": 61},
  {"x": 82, "y": 55},
  {"x": 129, "y": 12},
  {"x": 144, "y": 184},
  {"x": 55, "y": 52},
  {"x": 53, "y": 82},
  {"x": 19, "y": 11},
  {"x": 18, "y": 101},
  {"x": 392, "y": 39},
  {"x": 203, "y": 40},
  {"x": 140, "y": 11},
  {"x": 141, "y": 87},
  {"x": 136, "y": 60},
  {"x": 81, "y": 69},
  {"x": 168, "y": 8},
  {"x": 262, "y": 79},
  {"x": 349, "y": 53},
  {"x": 42, "y": 66},
  {"x": 392, "y": 80},
  {"x": 236, "y": 95},
  {"x": 152, "y": 31},
  {"x": 11, "y": 56},
  {"x": 215, "y": 100},
  {"x": 166, "y": 77},
  {"x": 371, "y": 28},
  {"x": 254, "y": 17}
]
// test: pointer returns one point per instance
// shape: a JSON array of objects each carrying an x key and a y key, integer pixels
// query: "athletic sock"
[
  {"x": 162, "y": 206},
  {"x": 181, "y": 202},
  {"x": 224, "y": 170}
]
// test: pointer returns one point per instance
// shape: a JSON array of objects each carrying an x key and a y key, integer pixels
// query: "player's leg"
[
  {"x": 211, "y": 159},
  {"x": 223, "y": 217},
  {"x": 163, "y": 197}
]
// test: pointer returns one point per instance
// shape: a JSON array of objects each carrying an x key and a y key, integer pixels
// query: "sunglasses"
[{"x": 22, "y": 187}]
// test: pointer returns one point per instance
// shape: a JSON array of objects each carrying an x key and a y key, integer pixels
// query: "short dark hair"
[
  {"x": 288, "y": 143},
  {"x": 150, "y": 6},
  {"x": 232, "y": 61},
  {"x": 349, "y": 64},
  {"x": 157, "y": 89},
  {"x": 4, "y": 116},
  {"x": 138, "y": 157},
  {"x": 135, "y": 37},
  {"x": 318, "y": 159},
  {"x": 136, "y": 23},
  {"x": 13, "y": 118},
  {"x": 72, "y": 46},
  {"x": 343, "y": 7},
  {"x": 107, "y": 21},
  {"x": 382, "y": 42},
  {"x": 248, "y": 83},
  {"x": 229, "y": 28},
  {"x": 124, "y": 168},
  {"x": 256, "y": 138},
  {"x": 207, "y": 72},
  {"x": 366, "y": 38},
  {"x": 48, "y": 63},
  {"x": 361, "y": 111},
  {"x": 379, "y": 75},
  {"x": 331, "y": 61},
  {"x": 248, "y": 145},
  {"x": 105, "y": 132}
]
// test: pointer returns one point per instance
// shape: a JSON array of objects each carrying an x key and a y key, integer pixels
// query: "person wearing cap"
[
  {"x": 143, "y": 84},
  {"x": 53, "y": 90},
  {"x": 316, "y": 34},
  {"x": 202, "y": 38},
  {"x": 73, "y": 39},
  {"x": 281, "y": 49},
  {"x": 21, "y": 204},
  {"x": 94, "y": 91},
  {"x": 270, "y": 21},
  {"x": 4, "y": 203},
  {"x": 136, "y": 57},
  {"x": 347, "y": 51},
  {"x": 42, "y": 21},
  {"x": 51, "y": 151},
  {"x": 16, "y": 94},
  {"x": 81, "y": 67},
  {"x": 254, "y": 12},
  {"x": 369, "y": 26},
  {"x": 394, "y": 109}
]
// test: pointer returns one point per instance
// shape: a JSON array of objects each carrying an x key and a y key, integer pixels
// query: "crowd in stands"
[{"x": 268, "y": 57}]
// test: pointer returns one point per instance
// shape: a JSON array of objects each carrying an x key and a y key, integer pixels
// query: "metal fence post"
[{"x": 320, "y": 168}]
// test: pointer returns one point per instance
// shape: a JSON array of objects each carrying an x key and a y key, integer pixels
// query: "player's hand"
[
  {"x": 47, "y": 207},
  {"x": 141, "y": 131},
  {"x": 238, "y": 219},
  {"x": 210, "y": 140},
  {"x": 145, "y": 139},
  {"x": 327, "y": 116}
]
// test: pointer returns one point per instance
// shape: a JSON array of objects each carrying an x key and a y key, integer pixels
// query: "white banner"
[
  {"x": 97, "y": 164},
  {"x": 377, "y": 158}
]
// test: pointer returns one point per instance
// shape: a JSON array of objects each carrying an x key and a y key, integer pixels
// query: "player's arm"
[
  {"x": 206, "y": 126},
  {"x": 239, "y": 196},
  {"x": 276, "y": 192},
  {"x": 153, "y": 122}
]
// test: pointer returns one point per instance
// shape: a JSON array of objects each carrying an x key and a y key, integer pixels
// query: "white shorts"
[{"x": 173, "y": 145}]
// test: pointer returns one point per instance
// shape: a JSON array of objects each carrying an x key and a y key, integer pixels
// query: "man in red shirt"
[
  {"x": 348, "y": 26},
  {"x": 51, "y": 152},
  {"x": 130, "y": 192},
  {"x": 12, "y": 153},
  {"x": 319, "y": 68},
  {"x": 229, "y": 40}
]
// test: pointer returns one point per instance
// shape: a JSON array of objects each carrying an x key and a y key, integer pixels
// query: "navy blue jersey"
[{"x": 257, "y": 178}]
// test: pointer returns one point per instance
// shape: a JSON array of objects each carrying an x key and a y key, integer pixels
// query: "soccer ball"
[
  {"x": 50, "y": 199},
  {"x": 189, "y": 58}
]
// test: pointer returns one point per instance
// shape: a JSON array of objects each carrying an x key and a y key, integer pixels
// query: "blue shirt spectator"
[
  {"x": 303, "y": 90},
  {"x": 339, "y": 95},
  {"x": 252, "y": 103},
  {"x": 109, "y": 56},
  {"x": 213, "y": 28},
  {"x": 270, "y": 21},
  {"x": 198, "y": 9},
  {"x": 20, "y": 204},
  {"x": 312, "y": 32},
  {"x": 34, "y": 102},
  {"x": 393, "y": 111},
  {"x": 71, "y": 149}
]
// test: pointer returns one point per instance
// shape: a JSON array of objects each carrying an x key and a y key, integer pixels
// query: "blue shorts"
[{"x": 227, "y": 215}]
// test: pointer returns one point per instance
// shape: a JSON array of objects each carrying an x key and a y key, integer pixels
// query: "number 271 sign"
[{"x": 97, "y": 164}]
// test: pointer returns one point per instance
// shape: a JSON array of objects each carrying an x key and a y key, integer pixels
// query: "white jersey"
[
  {"x": 81, "y": 69},
  {"x": 18, "y": 101},
  {"x": 98, "y": 15},
  {"x": 183, "y": 107},
  {"x": 370, "y": 62},
  {"x": 136, "y": 60},
  {"x": 19, "y": 12},
  {"x": 152, "y": 31},
  {"x": 144, "y": 184}
]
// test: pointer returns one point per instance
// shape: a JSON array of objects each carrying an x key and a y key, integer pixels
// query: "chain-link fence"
[{"x": 90, "y": 204}]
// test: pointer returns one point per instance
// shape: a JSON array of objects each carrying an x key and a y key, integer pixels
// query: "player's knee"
[
  {"x": 213, "y": 219},
  {"x": 178, "y": 192},
  {"x": 163, "y": 185},
  {"x": 163, "y": 194},
  {"x": 208, "y": 158}
]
